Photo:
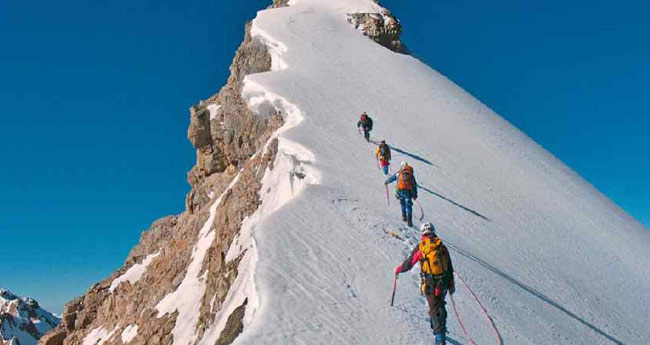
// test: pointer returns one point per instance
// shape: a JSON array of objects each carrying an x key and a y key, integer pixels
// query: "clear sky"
[{"x": 95, "y": 95}]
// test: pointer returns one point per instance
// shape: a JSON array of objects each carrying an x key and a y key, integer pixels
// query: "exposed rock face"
[
  {"x": 22, "y": 320},
  {"x": 382, "y": 28},
  {"x": 234, "y": 326},
  {"x": 281, "y": 3},
  {"x": 229, "y": 141},
  {"x": 223, "y": 130}
]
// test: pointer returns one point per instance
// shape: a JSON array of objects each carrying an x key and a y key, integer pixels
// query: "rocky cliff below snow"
[
  {"x": 22, "y": 320},
  {"x": 174, "y": 283}
]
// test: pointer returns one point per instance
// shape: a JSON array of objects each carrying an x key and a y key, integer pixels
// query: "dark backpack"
[{"x": 384, "y": 151}]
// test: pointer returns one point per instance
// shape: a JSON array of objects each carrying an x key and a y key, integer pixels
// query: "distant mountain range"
[{"x": 22, "y": 320}]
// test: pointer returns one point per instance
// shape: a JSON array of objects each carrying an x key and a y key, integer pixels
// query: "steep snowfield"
[{"x": 552, "y": 260}]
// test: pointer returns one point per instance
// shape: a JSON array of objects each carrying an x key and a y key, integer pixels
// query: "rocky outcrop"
[
  {"x": 280, "y": 3},
  {"x": 382, "y": 28},
  {"x": 22, "y": 320},
  {"x": 234, "y": 325},
  {"x": 230, "y": 140},
  {"x": 223, "y": 129}
]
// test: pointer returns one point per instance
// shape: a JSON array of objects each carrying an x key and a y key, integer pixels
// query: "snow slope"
[{"x": 552, "y": 260}]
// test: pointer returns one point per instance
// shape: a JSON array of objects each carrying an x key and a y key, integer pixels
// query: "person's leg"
[
  {"x": 432, "y": 309},
  {"x": 439, "y": 316},
  {"x": 402, "y": 203},
  {"x": 409, "y": 210},
  {"x": 366, "y": 134},
  {"x": 384, "y": 165}
]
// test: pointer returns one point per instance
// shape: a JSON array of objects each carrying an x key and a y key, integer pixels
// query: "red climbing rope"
[
  {"x": 460, "y": 321},
  {"x": 421, "y": 209},
  {"x": 483, "y": 311}
]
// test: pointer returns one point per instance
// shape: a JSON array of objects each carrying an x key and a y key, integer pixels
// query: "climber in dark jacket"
[{"x": 365, "y": 123}]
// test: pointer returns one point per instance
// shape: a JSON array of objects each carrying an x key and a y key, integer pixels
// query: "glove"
[
  {"x": 451, "y": 287},
  {"x": 415, "y": 197},
  {"x": 398, "y": 269}
]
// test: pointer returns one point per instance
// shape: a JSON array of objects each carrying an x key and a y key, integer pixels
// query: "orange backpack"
[{"x": 405, "y": 178}]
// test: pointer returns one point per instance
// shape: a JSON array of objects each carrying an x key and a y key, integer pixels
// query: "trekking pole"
[
  {"x": 392, "y": 298},
  {"x": 387, "y": 197}
]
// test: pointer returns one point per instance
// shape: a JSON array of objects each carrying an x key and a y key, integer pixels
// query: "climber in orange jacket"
[{"x": 406, "y": 192}]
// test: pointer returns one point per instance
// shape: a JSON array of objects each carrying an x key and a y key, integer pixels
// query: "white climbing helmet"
[
  {"x": 427, "y": 228},
  {"x": 403, "y": 164}
]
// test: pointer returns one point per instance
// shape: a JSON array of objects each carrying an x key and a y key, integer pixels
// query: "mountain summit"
[
  {"x": 22, "y": 320},
  {"x": 289, "y": 236}
]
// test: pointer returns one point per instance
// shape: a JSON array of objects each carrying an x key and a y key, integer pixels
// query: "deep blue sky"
[{"x": 94, "y": 98}]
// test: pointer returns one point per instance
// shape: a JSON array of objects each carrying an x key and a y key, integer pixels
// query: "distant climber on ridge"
[
  {"x": 383, "y": 155},
  {"x": 406, "y": 192},
  {"x": 436, "y": 277},
  {"x": 365, "y": 123}
]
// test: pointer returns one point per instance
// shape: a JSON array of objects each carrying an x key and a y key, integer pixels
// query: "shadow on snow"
[
  {"x": 534, "y": 292},
  {"x": 412, "y": 155},
  {"x": 453, "y": 202},
  {"x": 406, "y": 153}
]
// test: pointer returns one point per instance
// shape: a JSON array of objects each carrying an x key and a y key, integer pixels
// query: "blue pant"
[
  {"x": 407, "y": 207},
  {"x": 385, "y": 168}
]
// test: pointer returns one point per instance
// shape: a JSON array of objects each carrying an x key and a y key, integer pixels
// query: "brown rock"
[
  {"x": 224, "y": 146},
  {"x": 382, "y": 28}
]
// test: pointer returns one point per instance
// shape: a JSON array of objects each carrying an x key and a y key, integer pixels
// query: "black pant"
[
  {"x": 437, "y": 310},
  {"x": 366, "y": 133}
]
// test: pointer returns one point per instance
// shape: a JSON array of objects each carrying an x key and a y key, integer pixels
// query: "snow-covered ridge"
[
  {"x": 526, "y": 232},
  {"x": 292, "y": 158},
  {"x": 22, "y": 320}
]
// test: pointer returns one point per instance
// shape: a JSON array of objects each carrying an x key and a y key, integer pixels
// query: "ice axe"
[
  {"x": 392, "y": 298},
  {"x": 387, "y": 197}
]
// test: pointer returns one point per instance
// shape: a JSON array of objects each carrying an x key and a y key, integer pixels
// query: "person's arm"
[
  {"x": 415, "y": 188},
  {"x": 410, "y": 261},
  {"x": 359, "y": 124},
  {"x": 391, "y": 179}
]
